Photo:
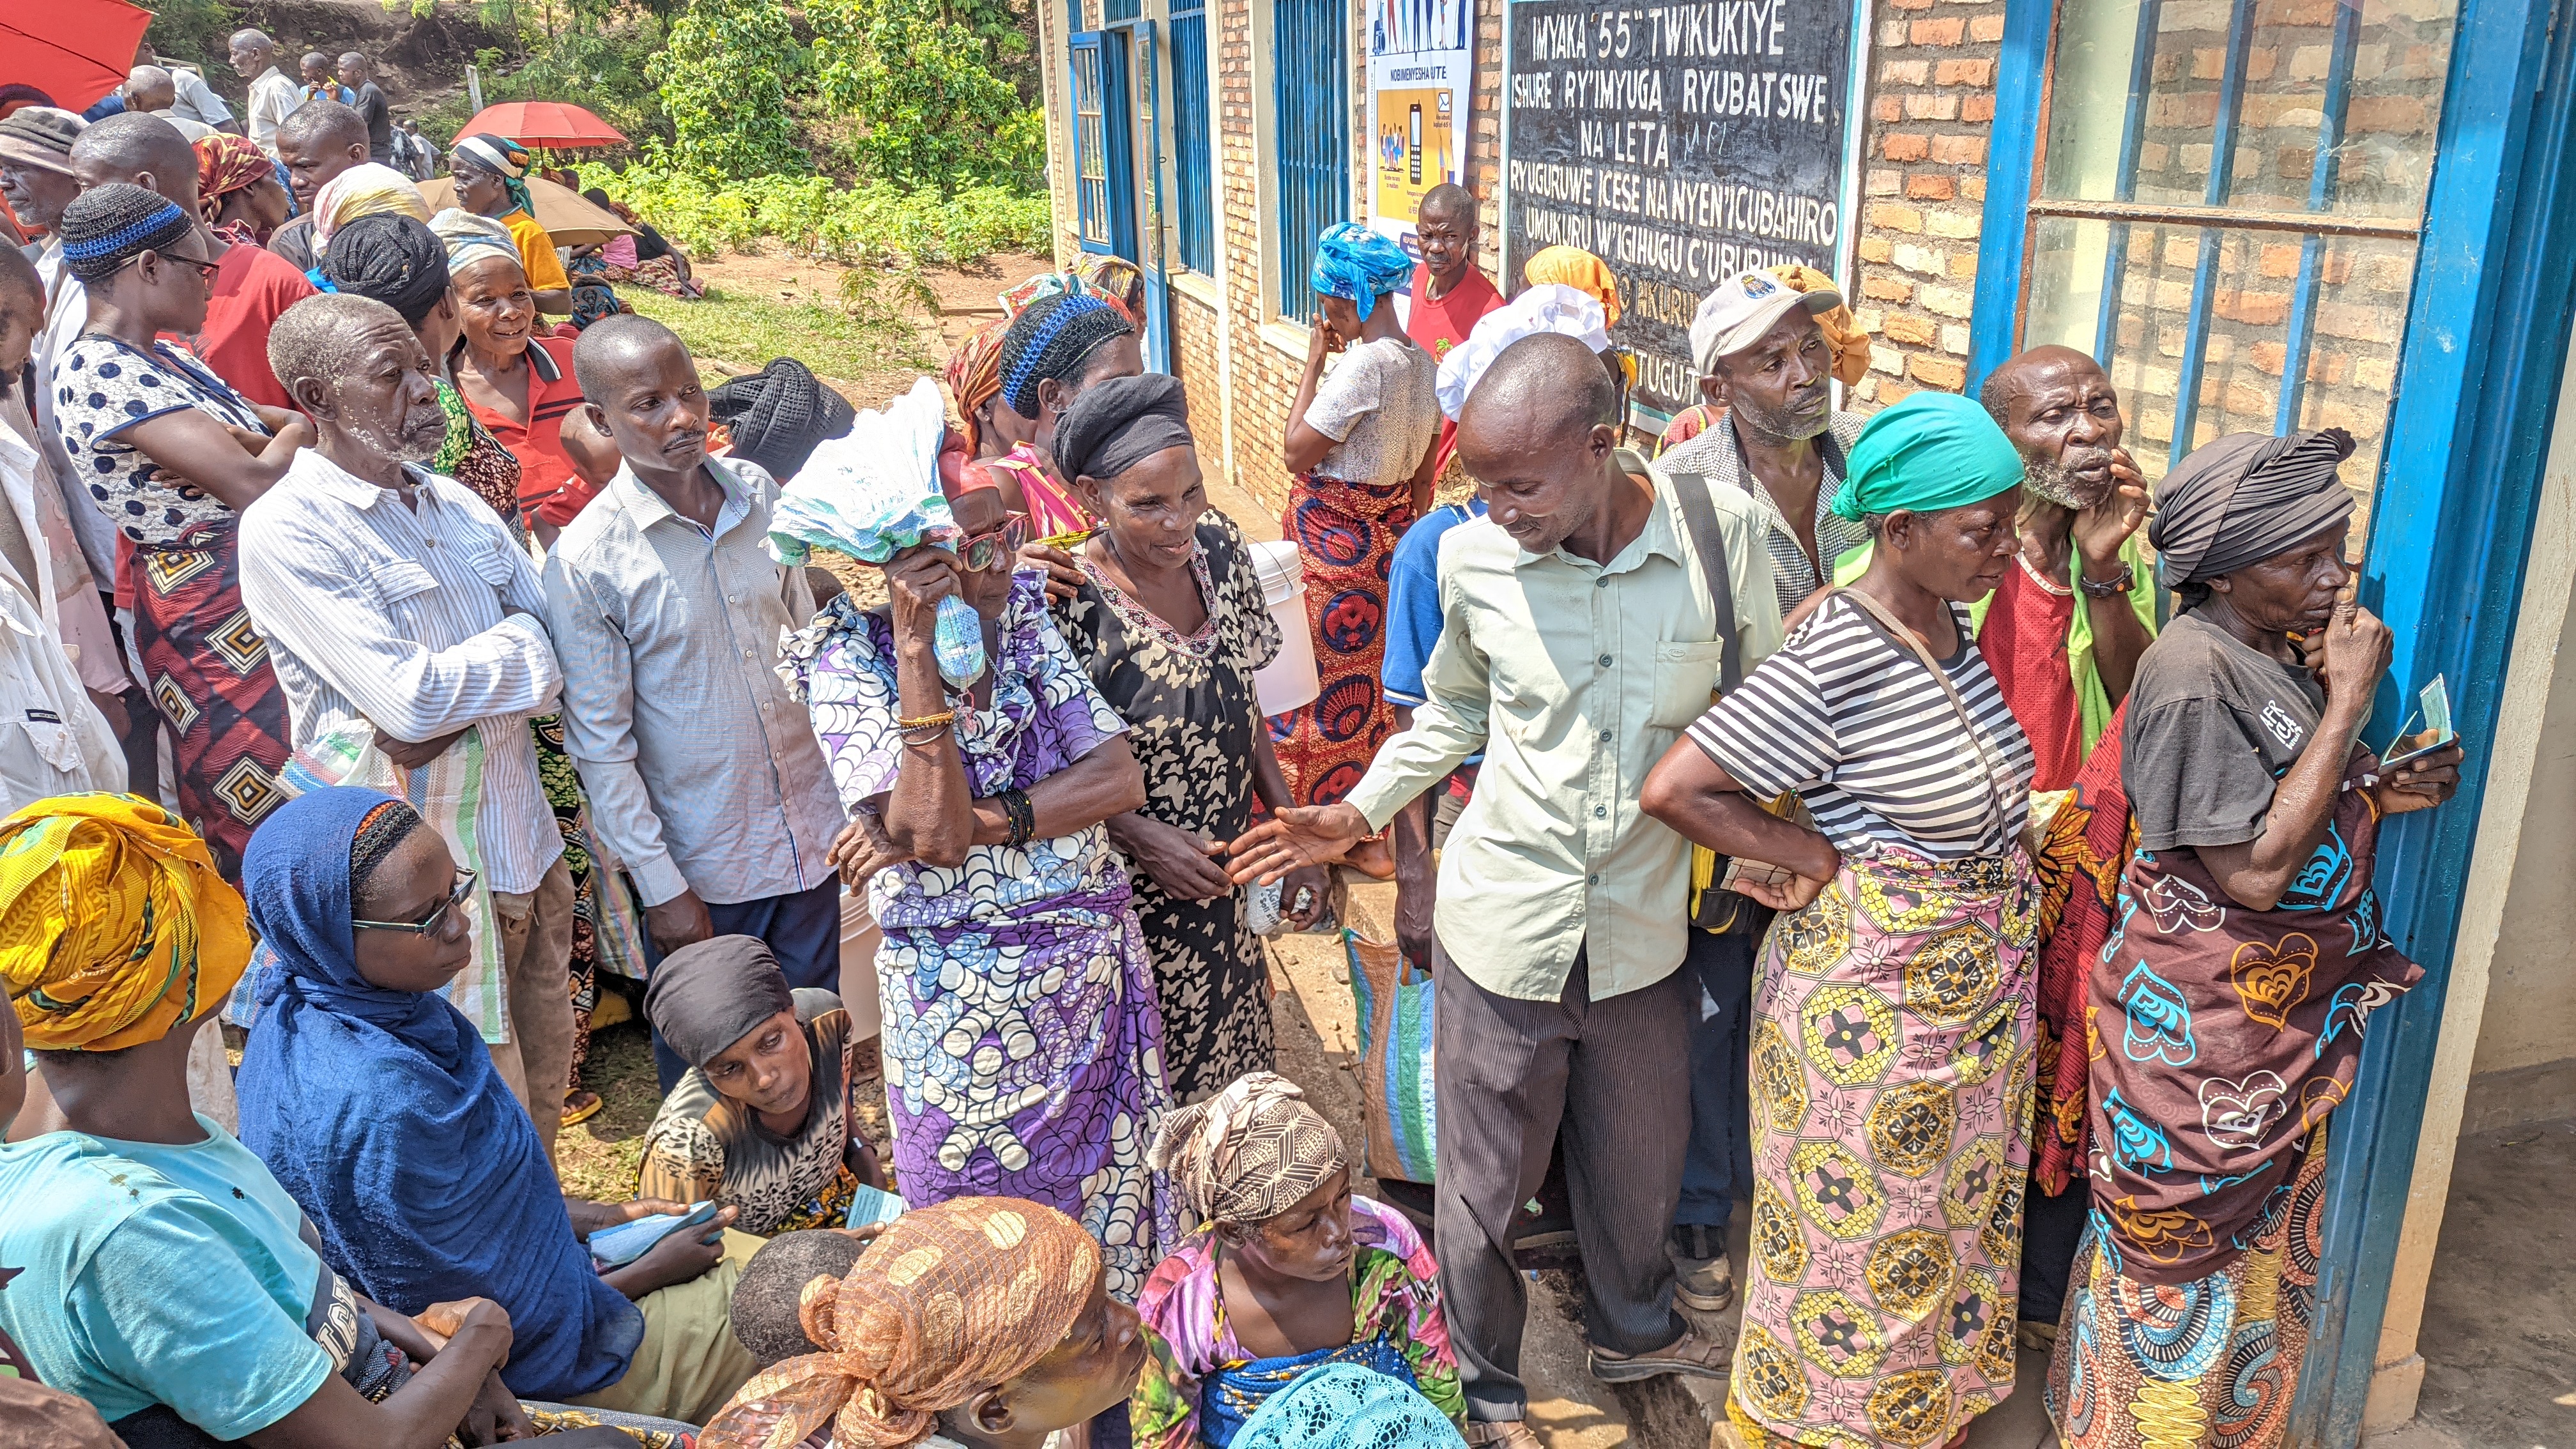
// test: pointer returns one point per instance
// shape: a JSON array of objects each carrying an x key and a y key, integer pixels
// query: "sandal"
[
  {"x": 580, "y": 1107},
  {"x": 1504, "y": 1434},
  {"x": 1694, "y": 1354}
]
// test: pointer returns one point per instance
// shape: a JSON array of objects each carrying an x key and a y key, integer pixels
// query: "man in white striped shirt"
[{"x": 396, "y": 607}]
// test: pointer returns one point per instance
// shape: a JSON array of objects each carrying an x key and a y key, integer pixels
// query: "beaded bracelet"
[
  {"x": 1022, "y": 815},
  {"x": 926, "y": 721}
]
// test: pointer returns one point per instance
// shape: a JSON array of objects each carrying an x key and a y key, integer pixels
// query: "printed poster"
[{"x": 1421, "y": 73}]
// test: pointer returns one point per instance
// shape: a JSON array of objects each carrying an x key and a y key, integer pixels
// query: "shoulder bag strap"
[
  {"x": 1889, "y": 624},
  {"x": 1699, "y": 518}
]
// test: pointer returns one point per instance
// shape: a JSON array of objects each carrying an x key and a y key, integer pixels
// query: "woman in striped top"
[{"x": 1891, "y": 1058}]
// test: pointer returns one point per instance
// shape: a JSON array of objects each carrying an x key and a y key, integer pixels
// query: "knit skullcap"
[
  {"x": 779, "y": 415},
  {"x": 397, "y": 260},
  {"x": 107, "y": 226},
  {"x": 1053, "y": 338}
]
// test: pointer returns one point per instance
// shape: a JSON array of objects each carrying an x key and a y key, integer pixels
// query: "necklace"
[{"x": 2041, "y": 579}]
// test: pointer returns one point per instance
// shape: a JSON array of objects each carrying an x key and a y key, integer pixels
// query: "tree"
[
  {"x": 723, "y": 83},
  {"x": 935, "y": 112}
]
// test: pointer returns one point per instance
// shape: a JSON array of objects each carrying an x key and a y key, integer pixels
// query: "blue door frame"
[
  {"x": 1121, "y": 57},
  {"x": 2478, "y": 375}
]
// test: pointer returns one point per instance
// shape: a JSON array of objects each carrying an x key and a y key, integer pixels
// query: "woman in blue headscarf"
[
  {"x": 1361, "y": 442},
  {"x": 375, "y": 1105}
]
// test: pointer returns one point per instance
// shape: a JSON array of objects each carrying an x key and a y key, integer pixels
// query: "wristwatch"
[{"x": 2111, "y": 589}]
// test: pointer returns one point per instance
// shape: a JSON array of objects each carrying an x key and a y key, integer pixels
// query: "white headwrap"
[{"x": 1547, "y": 307}]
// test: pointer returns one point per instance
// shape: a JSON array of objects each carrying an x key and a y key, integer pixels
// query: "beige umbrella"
[{"x": 569, "y": 217}]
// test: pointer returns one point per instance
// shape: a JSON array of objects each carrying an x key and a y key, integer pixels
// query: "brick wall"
[{"x": 1923, "y": 190}]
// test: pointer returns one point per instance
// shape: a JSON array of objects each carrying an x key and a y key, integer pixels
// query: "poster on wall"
[
  {"x": 1681, "y": 144},
  {"x": 1421, "y": 74}
]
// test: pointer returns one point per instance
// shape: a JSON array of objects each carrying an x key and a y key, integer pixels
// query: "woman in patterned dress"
[
  {"x": 157, "y": 440},
  {"x": 1170, "y": 623},
  {"x": 1893, "y": 1022},
  {"x": 1361, "y": 443},
  {"x": 1022, "y": 1043},
  {"x": 2228, "y": 1005}
]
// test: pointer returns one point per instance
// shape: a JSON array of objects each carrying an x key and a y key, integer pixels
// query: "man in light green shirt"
[{"x": 1578, "y": 637}]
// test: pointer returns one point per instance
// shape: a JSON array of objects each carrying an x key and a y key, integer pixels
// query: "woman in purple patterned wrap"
[{"x": 1022, "y": 1042}]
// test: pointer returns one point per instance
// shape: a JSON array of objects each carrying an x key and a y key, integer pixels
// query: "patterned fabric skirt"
[
  {"x": 2089, "y": 843},
  {"x": 1891, "y": 1079},
  {"x": 2214, "y": 1363},
  {"x": 208, "y": 672},
  {"x": 1027, "y": 1062},
  {"x": 659, "y": 273},
  {"x": 1345, "y": 534},
  {"x": 606, "y": 931},
  {"x": 1213, "y": 981}
]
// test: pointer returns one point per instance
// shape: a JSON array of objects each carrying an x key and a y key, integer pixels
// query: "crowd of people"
[{"x": 1820, "y": 817}]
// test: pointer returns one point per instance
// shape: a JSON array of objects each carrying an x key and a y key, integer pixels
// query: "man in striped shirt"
[{"x": 397, "y": 609}]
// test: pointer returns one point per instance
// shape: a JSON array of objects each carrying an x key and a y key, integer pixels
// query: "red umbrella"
[
  {"x": 551, "y": 124},
  {"x": 73, "y": 50}
]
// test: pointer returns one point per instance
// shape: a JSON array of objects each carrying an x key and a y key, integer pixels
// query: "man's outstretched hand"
[{"x": 1295, "y": 836}]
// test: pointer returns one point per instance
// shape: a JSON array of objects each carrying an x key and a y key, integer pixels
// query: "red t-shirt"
[
  {"x": 252, "y": 286},
  {"x": 2024, "y": 641},
  {"x": 548, "y": 486},
  {"x": 1435, "y": 327}
]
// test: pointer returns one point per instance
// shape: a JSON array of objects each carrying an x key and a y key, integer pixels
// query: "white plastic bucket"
[
  {"x": 1289, "y": 680},
  {"x": 859, "y": 939}
]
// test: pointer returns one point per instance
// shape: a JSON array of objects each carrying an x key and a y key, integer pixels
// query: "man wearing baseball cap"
[
  {"x": 1766, "y": 367},
  {"x": 1765, "y": 363}
]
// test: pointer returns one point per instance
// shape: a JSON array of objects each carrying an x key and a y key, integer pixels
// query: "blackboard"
[{"x": 1679, "y": 143}]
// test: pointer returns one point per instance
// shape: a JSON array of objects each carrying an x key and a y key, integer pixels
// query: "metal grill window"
[
  {"x": 1193, "y": 139},
  {"x": 2231, "y": 195},
  {"x": 1090, "y": 145},
  {"x": 1311, "y": 89}
]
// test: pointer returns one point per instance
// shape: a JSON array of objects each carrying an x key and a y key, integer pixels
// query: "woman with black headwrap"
[
  {"x": 761, "y": 1121},
  {"x": 2230, "y": 1001},
  {"x": 1169, "y": 623}
]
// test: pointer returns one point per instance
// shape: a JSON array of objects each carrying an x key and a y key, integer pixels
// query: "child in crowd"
[{"x": 977, "y": 1323}]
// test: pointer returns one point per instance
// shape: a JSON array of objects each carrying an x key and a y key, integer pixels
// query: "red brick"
[
  {"x": 1885, "y": 288},
  {"x": 1903, "y": 328},
  {"x": 1959, "y": 150},
  {"x": 1904, "y": 146},
  {"x": 1891, "y": 217},
  {"x": 1931, "y": 188},
  {"x": 1876, "y": 248},
  {"x": 2254, "y": 309},
  {"x": 1887, "y": 108},
  {"x": 1987, "y": 29},
  {"x": 1937, "y": 32},
  {"x": 2269, "y": 357},
  {"x": 1964, "y": 73},
  {"x": 1940, "y": 372},
  {"x": 1979, "y": 109},
  {"x": 1932, "y": 108},
  {"x": 2405, "y": 115},
  {"x": 1905, "y": 72}
]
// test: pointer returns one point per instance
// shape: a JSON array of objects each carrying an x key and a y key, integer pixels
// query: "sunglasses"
[
  {"x": 987, "y": 551},
  {"x": 205, "y": 270},
  {"x": 428, "y": 925}
]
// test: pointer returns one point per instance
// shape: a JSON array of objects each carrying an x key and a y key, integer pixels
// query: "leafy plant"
[
  {"x": 602, "y": 67},
  {"x": 196, "y": 30},
  {"x": 919, "y": 79},
  {"x": 721, "y": 81},
  {"x": 875, "y": 222}
]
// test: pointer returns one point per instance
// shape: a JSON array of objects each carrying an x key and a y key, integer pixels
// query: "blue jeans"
[
  {"x": 1719, "y": 1166},
  {"x": 803, "y": 930}
]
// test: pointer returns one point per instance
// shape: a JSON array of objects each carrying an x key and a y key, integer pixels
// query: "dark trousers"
[
  {"x": 803, "y": 930},
  {"x": 1510, "y": 1073},
  {"x": 1719, "y": 1167},
  {"x": 2051, "y": 1227}
]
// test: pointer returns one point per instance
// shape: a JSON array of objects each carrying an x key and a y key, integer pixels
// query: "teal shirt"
[
  {"x": 153, "y": 1274},
  {"x": 2093, "y": 704}
]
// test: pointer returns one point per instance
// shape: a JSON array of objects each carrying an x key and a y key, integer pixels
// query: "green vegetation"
[
  {"x": 938, "y": 114},
  {"x": 722, "y": 82},
  {"x": 859, "y": 335},
  {"x": 600, "y": 66},
  {"x": 812, "y": 216},
  {"x": 194, "y": 30}
]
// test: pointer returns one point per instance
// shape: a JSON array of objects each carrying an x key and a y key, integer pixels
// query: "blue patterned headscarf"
[{"x": 1356, "y": 263}]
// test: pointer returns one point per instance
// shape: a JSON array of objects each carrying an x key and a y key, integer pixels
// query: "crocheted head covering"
[
  {"x": 367, "y": 189},
  {"x": 1356, "y": 263},
  {"x": 40, "y": 136},
  {"x": 1249, "y": 1153},
  {"x": 949, "y": 1300},
  {"x": 114, "y": 924},
  {"x": 107, "y": 226},
  {"x": 380, "y": 832},
  {"x": 2243, "y": 498},
  {"x": 975, "y": 373},
  {"x": 504, "y": 158},
  {"x": 470, "y": 238},
  {"x": 779, "y": 415},
  {"x": 394, "y": 259},
  {"x": 1574, "y": 267},
  {"x": 1543, "y": 307},
  {"x": 1054, "y": 338},
  {"x": 227, "y": 163}
]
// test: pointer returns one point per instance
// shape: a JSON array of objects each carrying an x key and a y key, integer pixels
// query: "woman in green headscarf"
[{"x": 1893, "y": 1026}]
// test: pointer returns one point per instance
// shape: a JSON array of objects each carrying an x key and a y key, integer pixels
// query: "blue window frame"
[
  {"x": 1193, "y": 138},
  {"x": 1310, "y": 50},
  {"x": 1104, "y": 188}
]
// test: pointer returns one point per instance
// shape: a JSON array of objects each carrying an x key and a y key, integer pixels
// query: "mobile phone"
[
  {"x": 1739, "y": 871},
  {"x": 2434, "y": 704}
]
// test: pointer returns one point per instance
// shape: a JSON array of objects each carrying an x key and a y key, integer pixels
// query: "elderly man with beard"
[{"x": 403, "y": 619}]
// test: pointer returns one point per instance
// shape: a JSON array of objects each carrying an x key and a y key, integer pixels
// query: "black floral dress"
[{"x": 1191, "y": 704}]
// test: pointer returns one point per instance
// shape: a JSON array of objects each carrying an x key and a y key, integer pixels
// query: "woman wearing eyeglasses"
[
  {"x": 372, "y": 1102},
  {"x": 171, "y": 454},
  {"x": 1022, "y": 1040}
]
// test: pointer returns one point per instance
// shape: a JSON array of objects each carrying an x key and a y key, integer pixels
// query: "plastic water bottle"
[{"x": 958, "y": 643}]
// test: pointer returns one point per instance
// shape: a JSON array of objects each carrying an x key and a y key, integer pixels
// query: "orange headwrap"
[
  {"x": 1574, "y": 267},
  {"x": 114, "y": 924},
  {"x": 975, "y": 373},
  {"x": 949, "y": 1300},
  {"x": 1844, "y": 336},
  {"x": 226, "y": 164}
]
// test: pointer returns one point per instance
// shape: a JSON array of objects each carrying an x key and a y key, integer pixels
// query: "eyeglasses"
[
  {"x": 205, "y": 270},
  {"x": 427, "y": 925},
  {"x": 995, "y": 550}
]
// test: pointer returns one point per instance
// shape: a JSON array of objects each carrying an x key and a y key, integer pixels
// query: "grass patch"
[
  {"x": 747, "y": 331},
  {"x": 598, "y": 1159}
]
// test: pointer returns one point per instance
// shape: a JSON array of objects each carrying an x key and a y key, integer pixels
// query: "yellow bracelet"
[{"x": 926, "y": 721}]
